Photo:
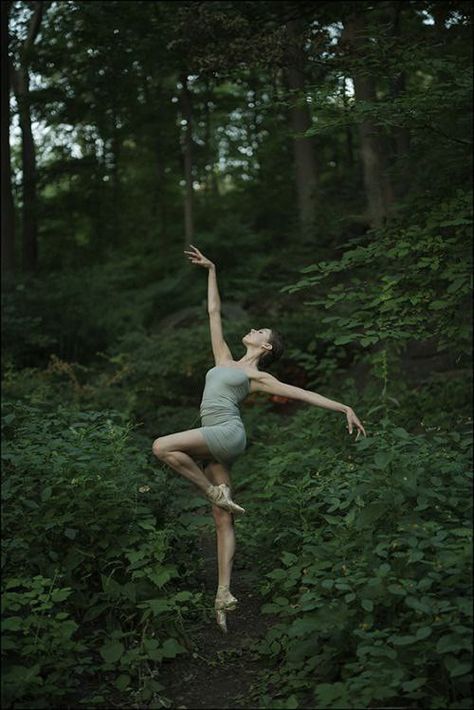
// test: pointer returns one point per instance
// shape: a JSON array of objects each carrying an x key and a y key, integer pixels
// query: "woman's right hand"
[{"x": 197, "y": 258}]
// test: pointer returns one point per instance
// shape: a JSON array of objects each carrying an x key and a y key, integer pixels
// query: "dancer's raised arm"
[
  {"x": 265, "y": 382},
  {"x": 220, "y": 348}
]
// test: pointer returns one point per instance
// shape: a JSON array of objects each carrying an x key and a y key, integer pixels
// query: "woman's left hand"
[{"x": 353, "y": 421}]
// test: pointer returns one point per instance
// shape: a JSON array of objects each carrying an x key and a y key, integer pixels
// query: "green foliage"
[
  {"x": 411, "y": 282},
  {"x": 369, "y": 566},
  {"x": 42, "y": 660},
  {"x": 364, "y": 549},
  {"x": 102, "y": 575}
]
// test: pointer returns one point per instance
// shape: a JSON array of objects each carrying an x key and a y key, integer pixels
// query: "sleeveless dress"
[{"x": 222, "y": 426}]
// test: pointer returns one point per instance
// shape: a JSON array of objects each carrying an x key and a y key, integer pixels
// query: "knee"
[{"x": 158, "y": 449}]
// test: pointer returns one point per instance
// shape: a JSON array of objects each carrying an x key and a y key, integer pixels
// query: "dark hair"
[{"x": 278, "y": 347}]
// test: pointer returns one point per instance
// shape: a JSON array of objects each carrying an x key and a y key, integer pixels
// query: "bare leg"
[
  {"x": 225, "y": 544},
  {"x": 184, "y": 464},
  {"x": 224, "y": 522}
]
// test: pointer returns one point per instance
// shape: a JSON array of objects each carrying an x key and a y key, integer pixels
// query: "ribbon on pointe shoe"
[
  {"x": 221, "y": 620},
  {"x": 220, "y": 495},
  {"x": 225, "y": 601}
]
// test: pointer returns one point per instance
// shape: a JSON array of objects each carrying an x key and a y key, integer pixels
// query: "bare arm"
[
  {"x": 220, "y": 348},
  {"x": 271, "y": 385},
  {"x": 213, "y": 298}
]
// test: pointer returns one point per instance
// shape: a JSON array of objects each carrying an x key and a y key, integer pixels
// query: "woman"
[{"x": 222, "y": 437}]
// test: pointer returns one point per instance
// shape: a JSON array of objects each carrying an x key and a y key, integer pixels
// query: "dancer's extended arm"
[
  {"x": 271, "y": 385},
  {"x": 220, "y": 348}
]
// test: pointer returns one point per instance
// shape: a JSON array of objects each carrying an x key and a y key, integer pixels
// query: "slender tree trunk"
[
  {"x": 211, "y": 182},
  {"x": 304, "y": 150},
  {"x": 8, "y": 212},
  {"x": 115, "y": 155},
  {"x": 20, "y": 80},
  {"x": 349, "y": 138},
  {"x": 20, "y": 83},
  {"x": 188, "y": 160},
  {"x": 377, "y": 183},
  {"x": 401, "y": 135}
]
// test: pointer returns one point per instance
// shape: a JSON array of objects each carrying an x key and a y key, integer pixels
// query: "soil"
[{"x": 222, "y": 671}]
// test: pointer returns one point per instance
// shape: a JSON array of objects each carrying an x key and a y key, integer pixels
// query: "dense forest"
[{"x": 320, "y": 153}]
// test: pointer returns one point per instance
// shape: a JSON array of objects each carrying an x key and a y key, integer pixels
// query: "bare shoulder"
[{"x": 258, "y": 379}]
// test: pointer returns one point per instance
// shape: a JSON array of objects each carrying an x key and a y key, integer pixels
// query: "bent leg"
[
  {"x": 224, "y": 521},
  {"x": 177, "y": 450}
]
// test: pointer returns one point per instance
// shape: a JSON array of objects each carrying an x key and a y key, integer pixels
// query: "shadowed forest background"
[{"x": 320, "y": 154}]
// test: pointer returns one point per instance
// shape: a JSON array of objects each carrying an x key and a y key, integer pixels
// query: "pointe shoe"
[
  {"x": 220, "y": 495},
  {"x": 221, "y": 620},
  {"x": 225, "y": 601}
]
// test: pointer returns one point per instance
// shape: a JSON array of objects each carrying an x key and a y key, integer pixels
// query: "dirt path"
[{"x": 221, "y": 671}]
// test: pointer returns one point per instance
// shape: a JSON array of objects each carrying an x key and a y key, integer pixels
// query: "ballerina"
[{"x": 222, "y": 439}]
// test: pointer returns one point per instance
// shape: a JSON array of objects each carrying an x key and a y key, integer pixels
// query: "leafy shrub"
[
  {"x": 369, "y": 563},
  {"x": 40, "y": 655},
  {"x": 413, "y": 281},
  {"x": 82, "y": 506}
]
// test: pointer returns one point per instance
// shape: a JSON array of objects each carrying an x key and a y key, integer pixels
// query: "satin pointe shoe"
[
  {"x": 221, "y": 620},
  {"x": 224, "y": 599},
  {"x": 220, "y": 495},
  {"x": 225, "y": 602}
]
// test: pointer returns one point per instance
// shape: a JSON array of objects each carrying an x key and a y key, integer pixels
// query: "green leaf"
[
  {"x": 370, "y": 514},
  {"x": 423, "y": 632},
  {"x": 343, "y": 339},
  {"x": 12, "y": 624},
  {"x": 383, "y": 458},
  {"x": 60, "y": 595},
  {"x": 403, "y": 640},
  {"x": 449, "y": 642},
  {"x": 171, "y": 648},
  {"x": 46, "y": 493},
  {"x": 112, "y": 651},
  {"x": 147, "y": 524},
  {"x": 367, "y": 604},
  {"x": 183, "y": 596},
  {"x": 123, "y": 681},
  {"x": 456, "y": 667},
  {"x": 411, "y": 685}
]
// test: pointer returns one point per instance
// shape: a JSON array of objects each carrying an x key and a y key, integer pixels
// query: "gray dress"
[{"x": 222, "y": 426}]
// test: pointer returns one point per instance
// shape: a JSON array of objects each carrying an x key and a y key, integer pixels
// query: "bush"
[
  {"x": 371, "y": 571},
  {"x": 102, "y": 589}
]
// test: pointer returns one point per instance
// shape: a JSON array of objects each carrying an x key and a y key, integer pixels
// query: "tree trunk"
[
  {"x": 348, "y": 131},
  {"x": 188, "y": 160},
  {"x": 211, "y": 181},
  {"x": 300, "y": 118},
  {"x": 115, "y": 175},
  {"x": 377, "y": 183},
  {"x": 20, "y": 80},
  {"x": 20, "y": 83},
  {"x": 401, "y": 135},
  {"x": 8, "y": 212}
]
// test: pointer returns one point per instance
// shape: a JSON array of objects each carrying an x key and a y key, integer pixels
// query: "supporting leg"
[
  {"x": 224, "y": 521},
  {"x": 225, "y": 544}
]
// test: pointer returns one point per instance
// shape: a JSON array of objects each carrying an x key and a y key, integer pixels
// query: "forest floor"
[{"x": 222, "y": 671}]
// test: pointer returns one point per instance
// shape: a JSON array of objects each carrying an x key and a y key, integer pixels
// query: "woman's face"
[{"x": 257, "y": 337}]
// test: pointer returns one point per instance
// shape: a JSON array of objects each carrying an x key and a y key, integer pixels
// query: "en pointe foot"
[
  {"x": 225, "y": 601},
  {"x": 220, "y": 496}
]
